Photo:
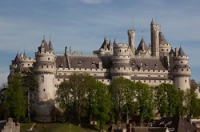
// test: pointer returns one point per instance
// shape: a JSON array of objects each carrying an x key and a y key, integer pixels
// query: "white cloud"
[{"x": 95, "y": 1}]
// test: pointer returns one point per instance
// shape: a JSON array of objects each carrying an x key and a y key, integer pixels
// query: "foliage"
[
  {"x": 123, "y": 95},
  {"x": 100, "y": 103},
  {"x": 72, "y": 95},
  {"x": 15, "y": 102},
  {"x": 30, "y": 85},
  {"x": 169, "y": 100},
  {"x": 192, "y": 103},
  {"x": 144, "y": 96}
]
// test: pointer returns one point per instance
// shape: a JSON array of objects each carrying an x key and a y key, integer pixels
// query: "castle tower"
[
  {"x": 154, "y": 39},
  {"x": 131, "y": 40},
  {"x": 44, "y": 70},
  {"x": 164, "y": 47},
  {"x": 181, "y": 71},
  {"x": 20, "y": 63},
  {"x": 120, "y": 62},
  {"x": 105, "y": 49}
]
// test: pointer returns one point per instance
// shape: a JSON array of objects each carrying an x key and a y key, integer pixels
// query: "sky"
[{"x": 83, "y": 25}]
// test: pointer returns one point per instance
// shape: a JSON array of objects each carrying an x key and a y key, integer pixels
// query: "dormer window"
[
  {"x": 79, "y": 62},
  {"x": 146, "y": 64},
  {"x": 156, "y": 64},
  {"x": 93, "y": 62}
]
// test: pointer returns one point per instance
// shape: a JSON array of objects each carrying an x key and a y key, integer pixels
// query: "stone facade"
[
  {"x": 10, "y": 126},
  {"x": 151, "y": 64}
]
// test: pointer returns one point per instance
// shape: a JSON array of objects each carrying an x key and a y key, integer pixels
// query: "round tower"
[
  {"x": 131, "y": 40},
  {"x": 154, "y": 39},
  {"x": 44, "y": 70},
  {"x": 120, "y": 62},
  {"x": 164, "y": 47},
  {"x": 181, "y": 71},
  {"x": 24, "y": 62}
]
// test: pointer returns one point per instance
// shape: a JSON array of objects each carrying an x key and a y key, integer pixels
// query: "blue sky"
[{"x": 83, "y": 24}]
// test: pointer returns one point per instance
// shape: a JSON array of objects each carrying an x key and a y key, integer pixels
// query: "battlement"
[
  {"x": 81, "y": 70},
  {"x": 121, "y": 45},
  {"x": 181, "y": 57},
  {"x": 43, "y": 53}
]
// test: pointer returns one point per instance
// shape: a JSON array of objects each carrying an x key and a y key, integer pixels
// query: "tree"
[
  {"x": 72, "y": 95},
  {"x": 169, "y": 100},
  {"x": 31, "y": 86},
  {"x": 123, "y": 94},
  {"x": 15, "y": 102},
  {"x": 144, "y": 96},
  {"x": 3, "y": 112},
  {"x": 191, "y": 103},
  {"x": 100, "y": 103}
]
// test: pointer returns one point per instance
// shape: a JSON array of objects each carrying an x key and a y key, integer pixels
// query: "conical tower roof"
[
  {"x": 50, "y": 45},
  {"x": 142, "y": 45},
  {"x": 104, "y": 44},
  {"x": 181, "y": 52},
  {"x": 162, "y": 39}
]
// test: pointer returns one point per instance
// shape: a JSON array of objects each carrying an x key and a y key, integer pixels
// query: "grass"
[{"x": 58, "y": 127}]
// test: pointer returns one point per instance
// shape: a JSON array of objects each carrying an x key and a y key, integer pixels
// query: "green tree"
[
  {"x": 72, "y": 95},
  {"x": 31, "y": 86},
  {"x": 123, "y": 94},
  {"x": 191, "y": 103},
  {"x": 100, "y": 103},
  {"x": 169, "y": 100},
  {"x": 15, "y": 102},
  {"x": 144, "y": 96}
]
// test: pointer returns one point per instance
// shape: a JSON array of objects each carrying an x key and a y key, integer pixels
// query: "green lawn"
[{"x": 58, "y": 127}]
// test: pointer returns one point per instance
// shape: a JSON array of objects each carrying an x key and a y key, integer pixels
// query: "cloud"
[{"x": 95, "y": 1}]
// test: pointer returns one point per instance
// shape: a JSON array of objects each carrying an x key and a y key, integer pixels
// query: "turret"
[
  {"x": 44, "y": 70},
  {"x": 181, "y": 71},
  {"x": 164, "y": 47},
  {"x": 131, "y": 40},
  {"x": 120, "y": 61},
  {"x": 105, "y": 49},
  {"x": 154, "y": 39},
  {"x": 142, "y": 48}
]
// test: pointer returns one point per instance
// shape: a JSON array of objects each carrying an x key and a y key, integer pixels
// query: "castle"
[{"x": 152, "y": 64}]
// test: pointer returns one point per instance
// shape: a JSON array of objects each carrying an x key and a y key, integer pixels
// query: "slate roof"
[
  {"x": 162, "y": 39},
  {"x": 47, "y": 47},
  {"x": 147, "y": 64},
  {"x": 92, "y": 62},
  {"x": 175, "y": 124},
  {"x": 142, "y": 45},
  {"x": 181, "y": 52}
]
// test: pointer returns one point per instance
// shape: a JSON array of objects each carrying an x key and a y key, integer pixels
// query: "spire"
[
  {"x": 162, "y": 39},
  {"x": 50, "y": 45},
  {"x": 181, "y": 52},
  {"x": 152, "y": 23},
  {"x": 142, "y": 45},
  {"x": 114, "y": 42}
]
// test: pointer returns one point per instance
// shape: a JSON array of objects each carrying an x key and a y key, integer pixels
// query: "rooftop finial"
[{"x": 152, "y": 23}]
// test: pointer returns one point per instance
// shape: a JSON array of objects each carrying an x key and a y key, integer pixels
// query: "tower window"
[
  {"x": 185, "y": 81},
  {"x": 48, "y": 58},
  {"x": 44, "y": 90}
]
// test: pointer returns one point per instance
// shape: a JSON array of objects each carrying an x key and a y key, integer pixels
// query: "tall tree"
[
  {"x": 123, "y": 95},
  {"x": 72, "y": 95},
  {"x": 100, "y": 103},
  {"x": 169, "y": 100},
  {"x": 15, "y": 102},
  {"x": 31, "y": 86},
  {"x": 192, "y": 104},
  {"x": 144, "y": 96}
]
